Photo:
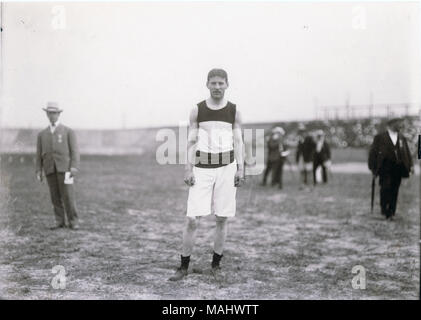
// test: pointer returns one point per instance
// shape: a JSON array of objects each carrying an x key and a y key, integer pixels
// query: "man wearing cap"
[
  {"x": 58, "y": 156},
  {"x": 304, "y": 154},
  {"x": 276, "y": 155},
  {"x": 322, "y": 156},
  {"x": 390, "y": 159},
  {"x": 214, "y": 169}
]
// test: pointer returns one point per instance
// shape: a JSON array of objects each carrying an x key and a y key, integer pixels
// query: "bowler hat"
[
  {"x": 393, "y": 120},
  {"x": 320, "y": 132},
  {"x": 301, "y": 127},
  {"x": 278, "y": 130}
]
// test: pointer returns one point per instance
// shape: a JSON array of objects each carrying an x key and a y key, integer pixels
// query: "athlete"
[{"x": 214, "y": 170}]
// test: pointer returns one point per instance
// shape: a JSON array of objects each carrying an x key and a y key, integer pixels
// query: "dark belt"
[{"x": 213, "y": 160}]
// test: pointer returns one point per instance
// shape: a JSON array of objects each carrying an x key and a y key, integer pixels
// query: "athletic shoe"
[
  {"x": 179, "y": 274},
  {"x": 74, "y": 226}
]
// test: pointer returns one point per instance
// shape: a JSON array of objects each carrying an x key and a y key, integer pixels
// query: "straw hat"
[{"x": 52, "y": 107}]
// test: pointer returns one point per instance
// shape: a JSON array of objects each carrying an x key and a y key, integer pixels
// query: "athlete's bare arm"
[
  {"x": 191, "y": 147},
  {"x": 238, "y": 150}
]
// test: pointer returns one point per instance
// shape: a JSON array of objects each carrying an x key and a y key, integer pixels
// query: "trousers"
[
  {"x": 277, "y": 168},
  {"x": 389, "y": 189},
  {"x": 63, "y": 198}
]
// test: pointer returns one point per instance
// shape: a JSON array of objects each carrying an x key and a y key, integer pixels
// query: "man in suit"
[
  {"x": 390, "y": 159},
  {"x": 322, "y": 156},
  {"x": 304, "y": 154},
  {"x": 277, "y": 153},
  {"x": 58, "y": 156}
]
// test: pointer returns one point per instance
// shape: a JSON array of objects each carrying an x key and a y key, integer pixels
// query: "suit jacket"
[
  {"x": 59, "y": 148},
  {"x": 275, "y": 147},
  {"x": 305, "y": 148},
  {"x": 382, "y": 159},
  {"x": 324, "y": 154}
]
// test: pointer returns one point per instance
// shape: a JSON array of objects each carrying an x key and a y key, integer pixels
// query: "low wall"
[
  {"x": 104, "y": 142},
  {"x": 357, "y": 133}
]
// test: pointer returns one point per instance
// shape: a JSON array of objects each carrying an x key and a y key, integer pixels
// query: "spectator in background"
[
  {"x": 277, "y": 153},
  {"x": 390, "y": 159},
  {"x": 58, "y": 156},
  {"x": 304, "y": 154},
  {"x": 322, "y": 156},
  {"x": 283, "y": 154}
]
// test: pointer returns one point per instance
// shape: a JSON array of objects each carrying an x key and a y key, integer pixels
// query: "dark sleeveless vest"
[{"x": 226, "y": 114}]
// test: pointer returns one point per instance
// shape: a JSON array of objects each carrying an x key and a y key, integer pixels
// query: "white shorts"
[{"x": 213, "y": 192}]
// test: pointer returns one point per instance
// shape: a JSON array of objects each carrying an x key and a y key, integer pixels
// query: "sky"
[{"x": 141, "y": 64}]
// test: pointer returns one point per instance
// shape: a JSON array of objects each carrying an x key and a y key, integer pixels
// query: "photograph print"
[{"x": 210, "y": 151}]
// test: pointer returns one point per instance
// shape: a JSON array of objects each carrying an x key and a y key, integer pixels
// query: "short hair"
[{"x": 218, "y": 73}]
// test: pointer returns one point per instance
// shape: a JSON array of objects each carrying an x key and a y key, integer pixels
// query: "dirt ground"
[{"x": 283, "y": 244}]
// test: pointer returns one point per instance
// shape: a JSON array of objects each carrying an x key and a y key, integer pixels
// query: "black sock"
[
  {"x": 216, "y": 259},
  {"x": 185, "y": 262}
]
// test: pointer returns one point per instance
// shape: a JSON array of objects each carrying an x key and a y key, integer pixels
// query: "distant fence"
[{"x": 367, "y": 111}]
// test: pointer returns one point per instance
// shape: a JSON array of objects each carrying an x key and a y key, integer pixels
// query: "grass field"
[{"x": 287, "y": 244}]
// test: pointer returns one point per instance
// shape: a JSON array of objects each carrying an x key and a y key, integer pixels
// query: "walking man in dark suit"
[
  {"x": 390, "y": 159},
  {"x": 58, "y": 156},
  {"x": 322, "y": 156},
  {"x": 305, "y": 153}
]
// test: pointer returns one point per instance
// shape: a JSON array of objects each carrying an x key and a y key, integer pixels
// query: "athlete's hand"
[
  {"x": 189, "y": 178},
  {"x": 239, "y": 178}
]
